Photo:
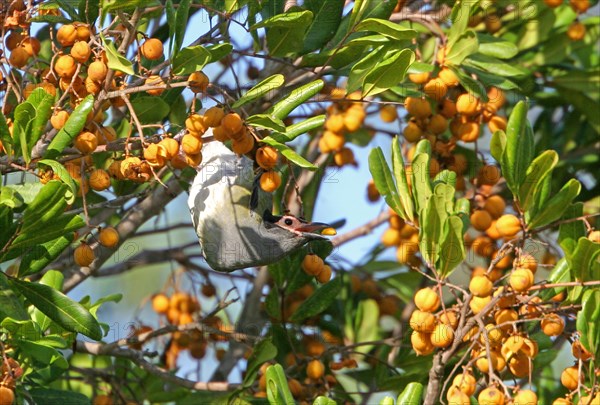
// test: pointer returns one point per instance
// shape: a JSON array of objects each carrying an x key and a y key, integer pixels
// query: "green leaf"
[
  {"x": 57, "y": 397},
  {"x": 497, "y": 145},
  {"x": 387, "y": 73},
  {"x": 53, "y": 279},
  {"x": 519, "y": 149},
  {"x": 412, "y": 394},
  {"x": 360, "y": 69},
  {"x": 5, "y": 137},
  {"x": 266, "y": 121},
  {"x": 190, "y": 59},
  {"x": 452, "y": 248},
  {"x": 296, "y": 97},
  {"x": 557, "y": 205},
  {"x": 406, "y": 201},
  {"x": 302, "y": 127},
  {"x": 496, "y": 47},
  {"x": 321, "y": 400},
  {"x": 219, "y": 51},
  {"x": 181, "y": 24},
  {"x": 150, "y": 109},
  {"x": 536, "y": 172},
  {"x": 432, "y": 219},
  {"x": 42, "y": 103},
  {"x": 53, "y": 229},
  {"x": 43, "y": 254},
  {"x": 584, "y": 260},
  {"x": 172, "y": 24},
  {"x": 319, "y": 301},
  {"x": 72, "y": 128},
  {"x": 382, "y": 176},
  {"x": 588, "y": 320},
  {"x": 495, "y": 65},
  {"x": 421, "y": 186},
  {"x": 278, "y": 391},
  {"x": 570, "y": 232},
  {"x": 264, "y": 351},
  {"x": 285, "y": 32},
  {"x": 471, "y": 85},
  {"x": 465, "y": 45},
  {"x": 10, "y": 305},
  {"x": 69, "y": 314},
  {"x": 262, "y": 88},
  {"x": 367, "y": 324},
  {"x": 288, "y": 153},
  {"x": 385, "y": 27},
  {"x": 116, "y": 61},
  {"x": 24, "y": 116},
  {"x": 64, "y": 176},
  {"x": 327, "y": 15},
  {"x": 559, "y": 274},
  {"x": 89, "y": 10}
]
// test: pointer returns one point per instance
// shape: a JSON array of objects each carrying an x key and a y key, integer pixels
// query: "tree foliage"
[{"x": 488, "y": 111}]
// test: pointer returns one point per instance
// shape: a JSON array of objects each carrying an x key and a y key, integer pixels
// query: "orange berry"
[
  {"x": 324, "y": 275},
  {"x": 580, "y": 6},
  {"x": 66, "y": 35},
  {"x": 594, "y": 236},
  {"x": 243, "y": 145},
  {"x": 580, "y": 352},
  {"x": 18, "y": 57},
  {"x": 59, "y": 119},
  {"x": 491, "y": 396},
  {"x": 232, "y": 123},
  {"x": 65, "y": 66},
  {"x": 195, "y": 124},
  {"x": 171, "y": 147},
  {"x": 504, "y": 318},
  {"x": 553, "y": 3},
  {"x": 99, "y": 180},
  {"x": 270, "y": 181},
  {"x": 31, "y": 45},
  {"x": 448, "y": 109},
  {"x": 552, "y": 324},
  {"x": 489, "y": 175},
  {"x": 436, "y": 89},
  {"x": 412, "y": 132},
  {"x": 438, "y": 124},
  {"x": 315, "y": 369},
  {"x": 331, "y": 141},
  {"x": 571, "y": 378},
  {"x": 13, "y": 40},
  {"x": 481, "y": 286},
  {"x": 477, "y": 304},
  {"x": 108, "y": 237},
  {"x": 419, "y": 78},
  {"x": 421, "y": 343},
  {"x": 152, "y": 49},
  {"x": 508, "y": 225},
  {"x": 497, "y": 123},
  {"x": 7, "y": 396},
  {"x": 481, "y": 220},
  {"x": 97, "y": 71},
  {"x": 388, "y": 113},
  {"x": 198, "y": 82},
  {"x": 82, "y": 32},
  {"x": 527, "y": 261},
  {"x": 422, "y": 321},
  {"x": 417, "y": 107},
  {"x": 427, "y": 300},
  {"x": 335, "y": 123},
  {"x": 266, "y": 157},
  {"x": 467, "y": 104},
  {"x": 576, "y": 31},
  {"x": 442, "y": 336},
  {"x": 312, "y": 264},
  {"x": 81, "y": 51},
  {"x": 86, "y": 142},
  {"x": 521, "y": 279},
  {"x": 213, "y": 116},
  {"x": 157, "y": 82},
  {"x": 448, "y": 77},
  {"x": 344, "y": 156},
  {"x": 495, "y": 205},
  {"x": 191, "y": 145},
  {"x": 391, "y": 237},
  {"x": 83, "y": 255},
  {"x": 466, "y": 383},
  {"x": 193, "y": 160},
  {"x": 468, "y": 131},
  {"x": 449, "y": 318}
]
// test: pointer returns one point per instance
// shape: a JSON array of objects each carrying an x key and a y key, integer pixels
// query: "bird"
[{"x": 233, "y": 217}]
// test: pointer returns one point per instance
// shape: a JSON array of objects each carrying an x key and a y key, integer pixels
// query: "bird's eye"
[{"x": 288, "y": 222}]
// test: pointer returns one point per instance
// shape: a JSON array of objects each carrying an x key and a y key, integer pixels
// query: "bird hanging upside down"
[{"x": 233, "y": 232}]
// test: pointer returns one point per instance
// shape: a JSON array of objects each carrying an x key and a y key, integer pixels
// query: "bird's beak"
[{"x": 317, "y": 227}]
